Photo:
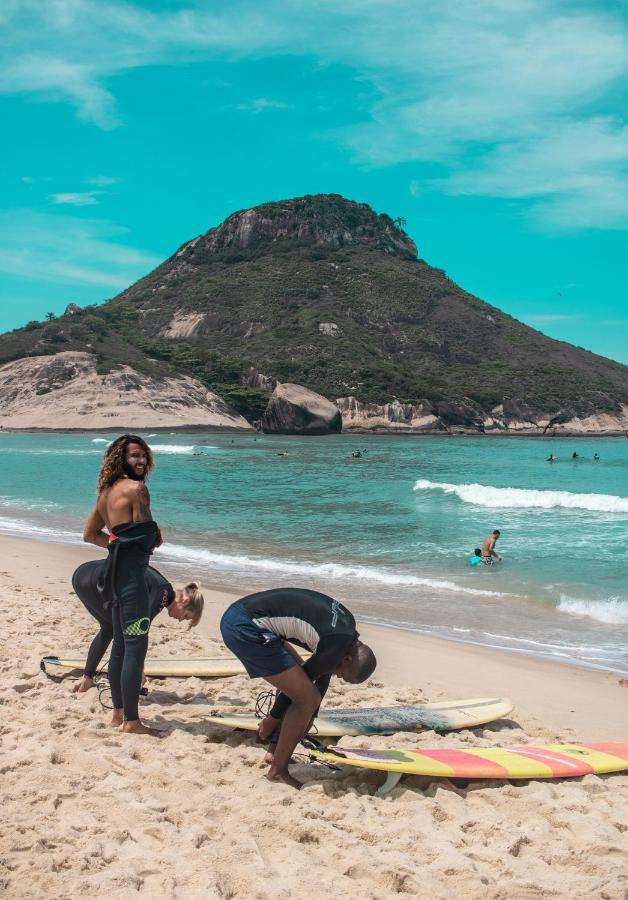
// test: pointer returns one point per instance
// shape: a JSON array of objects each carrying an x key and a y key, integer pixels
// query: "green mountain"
[{"x": 326, "y": 293}]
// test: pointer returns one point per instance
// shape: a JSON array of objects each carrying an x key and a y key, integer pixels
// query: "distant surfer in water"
[
  {"x": 488, "y": 547},
  {"x": 257, "y": 627},
  {"x": 123, "y": 508},
  {"x": 184, "y": 605}
]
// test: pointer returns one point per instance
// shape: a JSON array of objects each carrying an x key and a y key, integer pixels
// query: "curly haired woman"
[{"x": 123, "y": 508}]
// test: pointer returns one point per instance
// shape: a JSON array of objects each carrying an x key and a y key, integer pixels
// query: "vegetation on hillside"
[{"x": 326, "y": 294}]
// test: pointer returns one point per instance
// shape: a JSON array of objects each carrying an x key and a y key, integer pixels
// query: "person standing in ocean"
[
  {"x": 123, "y": 508},
  {"x": 488, "y": 547}
]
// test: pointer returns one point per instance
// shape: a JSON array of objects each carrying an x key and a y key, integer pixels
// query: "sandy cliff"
[{"x": 66, "y": 391}]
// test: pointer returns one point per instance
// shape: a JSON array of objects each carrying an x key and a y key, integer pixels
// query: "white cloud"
[
  {"x": 576, "y": 170},
  {"x": 102, "y": 180},
  {"x": 551, "y": 318},
  {"x": 67, "y": 250},
  {"x": 88, "y": 198},
  {"x": 496, "y": 93},
  {"x": 260, "y": 104}
]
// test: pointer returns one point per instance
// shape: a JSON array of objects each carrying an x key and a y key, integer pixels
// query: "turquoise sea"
[{"x": 389, "y": 533}]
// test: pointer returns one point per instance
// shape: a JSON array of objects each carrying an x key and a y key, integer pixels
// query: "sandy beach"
[{"x": 90, "y": 812}]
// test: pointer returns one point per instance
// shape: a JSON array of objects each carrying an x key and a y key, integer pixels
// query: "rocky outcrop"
[
  {"x": 293, "y": 409},
  {"x": 66, "y": 391},
  {"x": 322, "y": 219},
  {"x": 394, "y": 416},
  {"x": 466, "y": 417},
  {"x": 183, "y": 325},
  {"x": 255, "y": 379}
]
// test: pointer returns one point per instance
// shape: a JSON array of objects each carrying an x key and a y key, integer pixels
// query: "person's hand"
[{"x": 267, "y": 726}]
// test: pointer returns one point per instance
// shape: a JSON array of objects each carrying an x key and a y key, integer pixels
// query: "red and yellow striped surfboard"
[{"x": 548, "y": 761}]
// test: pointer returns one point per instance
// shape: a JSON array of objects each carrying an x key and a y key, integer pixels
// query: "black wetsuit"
[
  {"x": 160, "y": 591},
  {"x": 122, "y": 583},
  {"x": 311, "y": 620}
]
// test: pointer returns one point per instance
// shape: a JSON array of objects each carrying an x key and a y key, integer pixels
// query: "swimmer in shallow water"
[
  {"x": 489, "y": 553},
  {"x": 476, "y": 558}
]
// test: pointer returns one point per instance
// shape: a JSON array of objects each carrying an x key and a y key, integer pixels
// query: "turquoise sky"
[{"x": 496, "y": 128}]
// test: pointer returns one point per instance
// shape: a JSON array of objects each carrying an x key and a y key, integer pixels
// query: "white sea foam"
[
  {"x": 24, "y": 528},
  {"x": 37, "y": 505},
  {"x": 499, "y": 498},
  {"x": 57, "y": 451},
  {"x": 100, "y": 441},
  {"x": 333, "y": 571},
  {"x": 613, "y": 611},
  {"x": 173, "y": 448}
]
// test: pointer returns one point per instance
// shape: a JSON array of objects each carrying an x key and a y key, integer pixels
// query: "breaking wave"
[
  {"x": 310, "y": 570},
  {"x": 172, "y": 448},
  {"x": 613, "y": 611},
  {"x": 522, "y": 498}
]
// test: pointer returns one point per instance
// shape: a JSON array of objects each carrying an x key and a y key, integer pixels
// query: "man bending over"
[{"x": 256, "y": 628}]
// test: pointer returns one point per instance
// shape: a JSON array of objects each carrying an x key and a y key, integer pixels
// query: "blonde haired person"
[{"x": 183, "y": 604}]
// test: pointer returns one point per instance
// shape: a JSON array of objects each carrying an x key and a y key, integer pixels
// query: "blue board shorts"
[{"x": 262, "y": 653}]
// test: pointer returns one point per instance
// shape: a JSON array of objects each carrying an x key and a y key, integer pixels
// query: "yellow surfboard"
[
  {"x": 528, "y": 761},
  {"x": 167, "y": 667},
  {"x": 201, "y": 667}
]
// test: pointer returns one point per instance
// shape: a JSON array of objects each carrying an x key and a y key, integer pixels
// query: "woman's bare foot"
[
  {"x": 284, "y": 778},
  {"x": 117, "y": 718},
  {"x": 137, "y": 727},
  {"x": 83, "y": 684}
]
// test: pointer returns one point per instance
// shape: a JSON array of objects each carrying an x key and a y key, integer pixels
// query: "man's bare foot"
[
  {"x": 137, "y": 727},
  {"x": 283, "y": 778},
  {"x": 83, "y": 684},
  {"x": 623, "y": 682},
  {"x": 269, "y": 757},
  {"x": 117, "y": 718}
]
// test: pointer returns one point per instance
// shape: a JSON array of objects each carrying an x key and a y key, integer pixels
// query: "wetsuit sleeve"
[{"x": 319, "y": 667}]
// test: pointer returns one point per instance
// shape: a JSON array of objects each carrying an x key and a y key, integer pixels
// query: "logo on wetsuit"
[
  {"x": 335, "y": 609},
  {"x": 138, "y": 628}
]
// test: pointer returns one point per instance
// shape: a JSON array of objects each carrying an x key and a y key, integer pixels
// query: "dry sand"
[{"x": 88, "y": 812}]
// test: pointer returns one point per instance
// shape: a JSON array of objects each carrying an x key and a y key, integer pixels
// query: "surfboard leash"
[
  {"x": 264, "y": 703},
  {"x": 310, "y": 743}
]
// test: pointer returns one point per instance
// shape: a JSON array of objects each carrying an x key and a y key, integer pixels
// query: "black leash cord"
[{"x": 264, "y": 703}]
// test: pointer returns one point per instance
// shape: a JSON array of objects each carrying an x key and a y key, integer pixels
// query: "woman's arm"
[{"x": 93, "y": 532}]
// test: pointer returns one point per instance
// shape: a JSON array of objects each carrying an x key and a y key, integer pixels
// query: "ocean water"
[{"x": 389, "y": 533}]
